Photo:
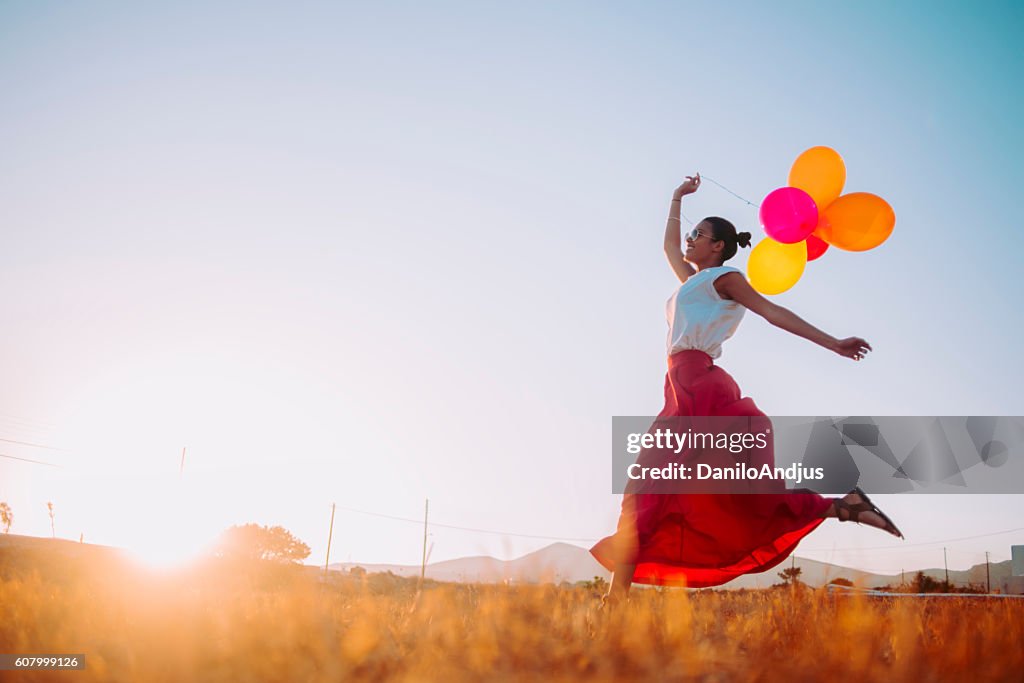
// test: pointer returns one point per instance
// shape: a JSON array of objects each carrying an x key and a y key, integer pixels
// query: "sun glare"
[{"x": 169, "y": 549}]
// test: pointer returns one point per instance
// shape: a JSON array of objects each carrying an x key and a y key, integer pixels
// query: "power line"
[
  {"x": 466, "y": 528},
  {"x": 87, "y": 451},
  {"x": 37, "y": 462},
  {"x": 33, "y": 423},
  {"x": 914, "y": 545},
  {"x": 34, "y": 445},
  {"x": 592, "y": 540}
]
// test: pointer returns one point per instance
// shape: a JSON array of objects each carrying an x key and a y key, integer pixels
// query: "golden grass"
[{"x": 215, "y": 624}]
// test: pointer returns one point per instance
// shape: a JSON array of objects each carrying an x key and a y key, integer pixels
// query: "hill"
[{"x": 566, "y": 562}]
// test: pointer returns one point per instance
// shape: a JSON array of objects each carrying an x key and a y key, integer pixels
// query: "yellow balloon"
[
  {"x": 774, "y": 267},
  {"x": 856, "y": 222},
  {"x": 821, "y": 173}
]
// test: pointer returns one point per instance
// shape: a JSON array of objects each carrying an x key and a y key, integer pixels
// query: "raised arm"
[
  {"x": 673, "y": 229},
  {"x": 736, "y": 287}
]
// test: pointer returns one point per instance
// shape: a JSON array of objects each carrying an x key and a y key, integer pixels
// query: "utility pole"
[
  {"x": 944, "y": 562},
  {"x": 330, "y": 535},
  {"x": 903, "y": 578},
  {"x": 181, "y": 469},
  {"x": 988, "y": 577},
  {"x": 423, "y": 566}
]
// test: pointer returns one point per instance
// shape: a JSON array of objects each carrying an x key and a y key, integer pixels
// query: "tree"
[
  {"x": 791, "y": 576},
  {"x": 926, "y": 584},
  {"x": 598, "y": 584},
  {"x": 6, "y": 517},
  {"x": 840, "y": 581},
  {"x": 252, "y": 542}
]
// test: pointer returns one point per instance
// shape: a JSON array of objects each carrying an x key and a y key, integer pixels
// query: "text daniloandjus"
[{"x": 794, "y": 473}]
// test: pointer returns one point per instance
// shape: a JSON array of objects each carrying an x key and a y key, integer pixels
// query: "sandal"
[{"x": 853, "y": 511}]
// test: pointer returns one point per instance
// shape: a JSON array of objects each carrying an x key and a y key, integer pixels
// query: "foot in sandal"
[{"x": 855, "y": 506}]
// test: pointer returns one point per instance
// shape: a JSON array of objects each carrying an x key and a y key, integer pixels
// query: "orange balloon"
[
  {"x": 857, "y": 222},
  {"x": 821, "y": 173}
]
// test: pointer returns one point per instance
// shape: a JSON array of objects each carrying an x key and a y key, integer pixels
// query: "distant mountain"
[
  {"x": 565, "y": 562},
  {"x": 552, "y": 564},
  {"x": 820, "y": 573}
]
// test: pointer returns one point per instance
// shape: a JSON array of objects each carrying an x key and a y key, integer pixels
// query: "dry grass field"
[{"x": 221, "y": 624}]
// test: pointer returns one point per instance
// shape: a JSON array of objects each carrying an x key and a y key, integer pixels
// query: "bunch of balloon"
[{"x": 799, "y": 230}]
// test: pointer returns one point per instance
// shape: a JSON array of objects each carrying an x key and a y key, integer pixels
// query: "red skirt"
[{"x": 702, "y": 540}]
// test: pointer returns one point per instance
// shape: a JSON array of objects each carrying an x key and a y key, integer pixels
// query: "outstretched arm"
[
  {"x": 673, "y": 228},
  {"x": 736, "y": 287}
]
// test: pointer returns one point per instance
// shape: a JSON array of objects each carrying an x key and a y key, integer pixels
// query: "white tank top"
[{"x": 698, "y": 318}]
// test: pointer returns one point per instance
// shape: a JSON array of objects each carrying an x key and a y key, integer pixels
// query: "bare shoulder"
[
  {"x": 726, "y": 284},
  {"x": 734, "y": 285}
]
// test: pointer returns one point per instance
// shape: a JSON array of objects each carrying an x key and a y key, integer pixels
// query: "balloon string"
[{"x": 704, "y": 177}]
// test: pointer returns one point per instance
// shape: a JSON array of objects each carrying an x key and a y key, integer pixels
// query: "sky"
[{"x": 370, "y": 254}]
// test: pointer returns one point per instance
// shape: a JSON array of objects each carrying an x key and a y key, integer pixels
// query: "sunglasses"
[{"x": 695, "y": 234}]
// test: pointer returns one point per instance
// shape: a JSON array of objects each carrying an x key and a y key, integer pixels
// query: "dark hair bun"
[{"x": 743, "y": 239}]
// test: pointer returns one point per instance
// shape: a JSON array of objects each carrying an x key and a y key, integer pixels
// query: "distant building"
[{"x": 1014, "y": 584}]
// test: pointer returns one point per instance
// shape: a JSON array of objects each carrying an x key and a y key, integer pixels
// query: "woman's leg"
[
  {"x": 626, "y": 546},
  {"x": 622, "y": 579}
]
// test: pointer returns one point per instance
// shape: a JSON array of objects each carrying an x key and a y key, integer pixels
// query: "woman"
[{"x": 708, "y": 539}]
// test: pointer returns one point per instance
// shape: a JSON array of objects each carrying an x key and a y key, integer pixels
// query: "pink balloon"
[
  {"x": 789, "y": 215},
  {"x": 815, "y": 247}
]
